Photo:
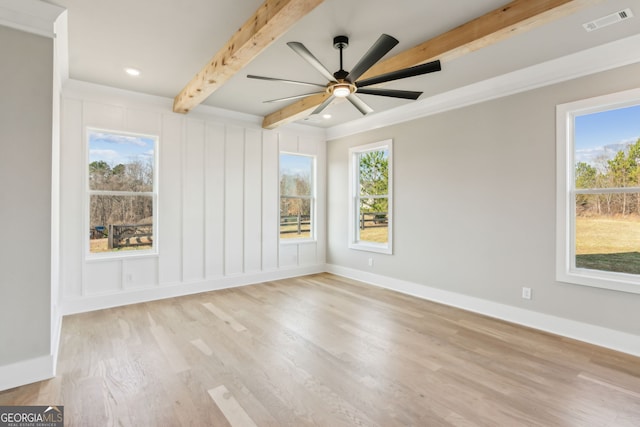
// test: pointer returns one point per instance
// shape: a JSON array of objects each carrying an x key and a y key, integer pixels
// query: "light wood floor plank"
[
  {"x": 324, "y": 350},
  {"x": 230, "y": 407}
]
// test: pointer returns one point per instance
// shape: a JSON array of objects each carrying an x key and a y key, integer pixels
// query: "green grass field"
[
  {"x": 608, "y": 243},
  {"x": 375, "y": 234}
]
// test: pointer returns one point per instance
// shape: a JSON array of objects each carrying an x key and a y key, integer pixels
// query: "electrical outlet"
[
  {"x": 129, "y": 277},
  {"x": 370, "y": 262},
  {"x": 526, "y": 293}
]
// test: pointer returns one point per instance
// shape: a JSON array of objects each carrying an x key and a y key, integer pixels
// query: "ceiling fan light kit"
[
  {"x": 345, "y": 84},
  {"x": 341, "y": 90}
]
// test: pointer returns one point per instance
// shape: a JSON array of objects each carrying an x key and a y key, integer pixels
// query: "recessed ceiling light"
[
  {"x": 132, "y": 71},
  {"x": 326, "y": 116}
]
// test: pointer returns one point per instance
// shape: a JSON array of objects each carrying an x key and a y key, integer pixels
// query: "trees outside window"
[
  {"x": 599, "y": 192},
  {"x": 121, "y": 192},
  {"x": 297, "y": 196},
  {"x": 370, "y": 194}
]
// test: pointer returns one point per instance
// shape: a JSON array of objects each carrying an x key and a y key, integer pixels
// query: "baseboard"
[
  {"x": 592, "y": 334},
  {"x": 26, "y": 372},
  {"x": 135, "y": 296}
]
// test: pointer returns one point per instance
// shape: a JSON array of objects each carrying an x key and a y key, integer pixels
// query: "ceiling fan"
[{"x": 345, "y": 84}]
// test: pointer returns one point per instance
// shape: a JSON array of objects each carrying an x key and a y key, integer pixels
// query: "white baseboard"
[
  {"x": 135, "y": 296},
  {"x": 592, "y": 334},
  {"x": 26, "y": 372}
]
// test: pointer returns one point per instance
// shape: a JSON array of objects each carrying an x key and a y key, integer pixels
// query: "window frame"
[
  {"x": 566, "y": 270},
  {"x": 354, "y": 198},
  {"x": 88, "y": 192},
  {"x": 312, "y": 198}
]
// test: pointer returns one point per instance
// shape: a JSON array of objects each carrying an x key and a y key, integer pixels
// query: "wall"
[
  {"x": 218, "y": 201},
  {"x": 474, "y": 196},
  {"x": 25, "y": 206}
]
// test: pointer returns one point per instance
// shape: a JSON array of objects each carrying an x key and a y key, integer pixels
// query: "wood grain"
[
  {"x": 323, "y": 350},
  {"x": 272, "y": 19},
  {"x": 506, "y": 21}
]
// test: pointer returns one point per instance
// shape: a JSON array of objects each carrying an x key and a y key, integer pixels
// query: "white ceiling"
[{"x": 171, "y": 40}]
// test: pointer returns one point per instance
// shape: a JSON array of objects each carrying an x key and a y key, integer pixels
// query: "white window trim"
[
  {"x": 384, "y": 248},
  {"x": 90, "y": 256},
  {"x": 312, "y": 237},
  {"x": 566, "y": 270}
]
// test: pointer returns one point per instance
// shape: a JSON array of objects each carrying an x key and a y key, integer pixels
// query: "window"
[
  {"x": 297, "y": 196},
  {"x": 122, "y": 192},
  {"x": 598, "y": 159},
  {"x": 371, "y": 210}
]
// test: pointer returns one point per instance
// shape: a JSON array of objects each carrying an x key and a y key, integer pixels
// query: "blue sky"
[
  {"x": 116, "y": 148},
  {"x": 606, "y": 133},
  {"x": 292, "y": 164}
]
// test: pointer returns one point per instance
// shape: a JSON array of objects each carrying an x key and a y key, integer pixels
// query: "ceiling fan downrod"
[{"x": 340, "y": 43}]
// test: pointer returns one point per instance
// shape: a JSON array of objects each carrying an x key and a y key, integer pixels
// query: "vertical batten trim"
[
  {"x": 183, "y": 148},
  {"x": 224, "y": 198},
  {"x": 244, "y": 199},
  {"x": 205, "y": 210},
  {"x": 85, "y": 201},
  {"x": 261, "y": 236}
]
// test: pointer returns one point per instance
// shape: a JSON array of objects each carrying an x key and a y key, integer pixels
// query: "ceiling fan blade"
[
  {"x": 295, "y": 82},
  {"x": 301, "y": 50},
  {"x": 379, "y": 49},
  {"x": 405, "y": 94},
  {"x": 289, "y": 98},
  {"x": 360, "y": 104},
  {"x": 418, "y": 70},
  {"x": 324, "y": 105}
]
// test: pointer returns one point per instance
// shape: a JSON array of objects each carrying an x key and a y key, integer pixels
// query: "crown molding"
[
  {"x": 609, "y": 56},
  {"x": 32, "y": 16}
]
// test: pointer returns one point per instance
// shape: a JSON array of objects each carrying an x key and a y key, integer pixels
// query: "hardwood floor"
[{"x": 324, "y": 350}]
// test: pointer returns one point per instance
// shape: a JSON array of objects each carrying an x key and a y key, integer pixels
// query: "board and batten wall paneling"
[
  {"x": 193, "y": 202},
  {"x": 71, "y": 185},
  {"x": 214, "y": 200},
  {"x": 252, "y": 201},
  {"x": 234, "y": 200},
  {"x": 217, "y": 211},
  {"x": 270, "y": 203},
  {"x": 169, "y": 236}
]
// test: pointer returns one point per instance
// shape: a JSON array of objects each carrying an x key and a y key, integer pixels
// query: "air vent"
[{"x": 605, "y": 21}]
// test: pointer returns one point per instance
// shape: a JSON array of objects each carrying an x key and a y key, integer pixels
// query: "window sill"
[
  {"x": 371, "y": 247},
  {"x": 111, "y": 256},
  {"x": 286, "y": 242},
  {"x": 612, "y": 281}
]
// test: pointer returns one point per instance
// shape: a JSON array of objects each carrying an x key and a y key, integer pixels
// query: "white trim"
[
  {"x": 311, "y": 198},
  {"x": 593, "y": 334},
  {"x": 85, "y": 91},
  {"x": 32, "y": 16},
  {"x": 601, "y": 58},
  {"x": 55, "y": 339},
  {"x": 566, "y": 270},
  {"x": 26, "y": 372},
  {"x": 119, "y": 298},
  {"x": 354, "y": 191}
]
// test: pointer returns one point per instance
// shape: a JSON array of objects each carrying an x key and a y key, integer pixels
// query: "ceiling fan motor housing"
[{"x": 341, "y": 42}]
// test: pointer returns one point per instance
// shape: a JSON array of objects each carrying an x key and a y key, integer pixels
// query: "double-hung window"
[
  {"x": 297, "y": 197},
  {"x": 371, "y": 203},
  {"x": 598, "y": 193},
  {"x": 122, "y": 192}
]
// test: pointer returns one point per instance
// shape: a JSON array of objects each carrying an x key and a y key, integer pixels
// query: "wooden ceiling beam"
[
  {"x": 272, "y": 19},
  {"x": 513, "y": 18}
]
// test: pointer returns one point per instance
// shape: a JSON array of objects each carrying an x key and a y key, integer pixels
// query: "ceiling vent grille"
[{"x": 605, "y": 21}]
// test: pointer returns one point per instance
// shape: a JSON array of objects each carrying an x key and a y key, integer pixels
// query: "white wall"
[
  {"x": 474, "y": 196},
  {"x": 218, "y": 201},
  {"x": 25, "y": 206}
]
